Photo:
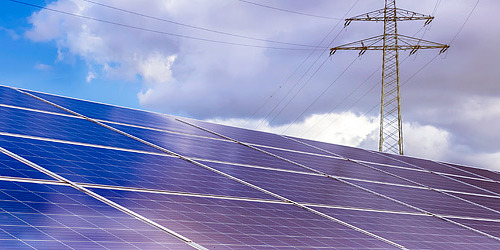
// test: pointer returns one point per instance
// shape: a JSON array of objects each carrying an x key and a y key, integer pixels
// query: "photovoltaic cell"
[
  {"x": 209, "y": 149},
  {"x": 255, "y": 137},
  {"x": 10, "y": 167},
  {"x": 123, "y": 115},
  {"x": 63, "y": 128},
  {"x": 489, "y": 227},
  {"x": 431, "y": 179},
  {"x": 111, "y": 167},
  {"x": 353, "y": 153},
  {"x": 13, "y": 97},
  {"x": 493, "y": 203},
  {"x": 492, "y": 186},
  {"x": 309, "y": 188},
  {"x": 414, "y": 231},
  {"x": 338, "y": 167},
  {"x": 431, "y": 201},
  {"x": 60, "y": 217},
  {"x": 219, "y": 224},
  {"x": 432, "y": 166},
  {"x": 481, "y": 172}
]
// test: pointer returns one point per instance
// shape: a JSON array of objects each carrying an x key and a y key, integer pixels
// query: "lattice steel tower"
[{"x": 391, "y": 131}]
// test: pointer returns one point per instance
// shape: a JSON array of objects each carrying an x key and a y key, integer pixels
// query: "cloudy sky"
[{"x": 241, "y": 63}]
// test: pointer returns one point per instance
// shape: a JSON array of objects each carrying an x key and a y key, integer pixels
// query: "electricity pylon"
[{"x": 391, "y": 131}]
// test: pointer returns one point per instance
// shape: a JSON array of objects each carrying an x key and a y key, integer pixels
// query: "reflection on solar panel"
[{"x": 82, "y": 175}]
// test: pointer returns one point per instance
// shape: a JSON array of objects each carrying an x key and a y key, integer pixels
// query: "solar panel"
[
  {"x": 480, "y": 172},
  {"x": 184, "y": 181},
  {"x": 310, "y": 188},
  {"x": 216, "y": 223},
  {"x": 122, "y": 115},
  {"x": 203, "y": 148},
  {"x": 431, "y": 179},
  {"x": 12, "y": 97},
  {"x": 10, "y": 167},
  {"x": 44, "y": 216},
  {"x": 338, "y": 167},
  {"x": 414, "y": 231},
  {"x": 92, "y": 165},
  {"x": 432, "y": 201}
]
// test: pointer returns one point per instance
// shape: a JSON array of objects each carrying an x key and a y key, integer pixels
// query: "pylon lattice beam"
[{"x": 391, "y": 130}]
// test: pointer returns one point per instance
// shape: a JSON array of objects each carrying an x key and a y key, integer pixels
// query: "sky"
[{"x": 240, "y": 63}]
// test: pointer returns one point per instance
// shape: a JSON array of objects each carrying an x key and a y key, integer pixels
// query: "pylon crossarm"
[
  {"x": 401, "y": 15},
  {"x": 404, "y": 43}
]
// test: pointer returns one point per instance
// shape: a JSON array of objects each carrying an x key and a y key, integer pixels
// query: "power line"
[
  {"x": 305, "y": 73},
  {"x": 321, "y": 95},
  {"x": 466, "y": 20},
  {"x": 193, "y": 26},
  {"x": 289, "y": 11},
  {"x": 156, "y": 31}
]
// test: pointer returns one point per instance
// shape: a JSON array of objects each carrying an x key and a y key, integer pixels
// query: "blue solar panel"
[
  {"x": 432, "y": 201},
  {"x": 123, "y": 115},
  {"x": 492, "y": 202},
  {"x": 10, "y": 167},
  {"x": 492, "y": 186},
  {"x": 432, "y": 166},
  {"x": 309, "y": 188},
  {"x": 111, "y": 167},
  {"x": 481, "y": 173},
  {"x": 490, "y": 227},
  {"x": 209, "y": 149},
  {"x": 431, "y": 180},
  {"x": 13, "y": 97},
  {"x": 59, "y": 217},
  {"x": 414, "y": 231},
  {"x": 255, "y": 137},
  {"x": 63, "y": 128},
  {"x": 353, "y": 153},
  {"x": 216, "y": 223},
  {"x": 338, "y": 167}
]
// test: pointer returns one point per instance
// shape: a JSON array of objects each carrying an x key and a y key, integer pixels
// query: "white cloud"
[
  {"x": 90, "y": 76},
  {"x": 42, "y": 67},
  {"x": 344, "y": 128}
]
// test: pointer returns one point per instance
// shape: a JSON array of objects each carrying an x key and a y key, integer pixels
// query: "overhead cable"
[
  {"x": 289, "y": 11},
  {"x": 193, "y": 26},
  {"x": 158, "y": 31}
]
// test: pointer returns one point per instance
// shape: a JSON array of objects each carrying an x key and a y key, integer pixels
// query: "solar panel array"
[{"x": 76, "y": 174}]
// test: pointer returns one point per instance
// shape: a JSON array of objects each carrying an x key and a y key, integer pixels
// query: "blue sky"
[
  {"x": 451, "y": 108},
  {"x": 33, "y": 65}
]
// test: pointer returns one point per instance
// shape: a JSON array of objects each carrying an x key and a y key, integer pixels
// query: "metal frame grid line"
[
  {"x": 216, "y": 171},
  {"x": 406, "y": 179},
  {"x": 141, "y": 190},
  {"x": 235, "y": 164},
  {"x": 346, "y": 182},
  {"x": 426, "y": 187},
  {"x": 437, "y": 173},
  {"x": 98, "y": 197}
]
